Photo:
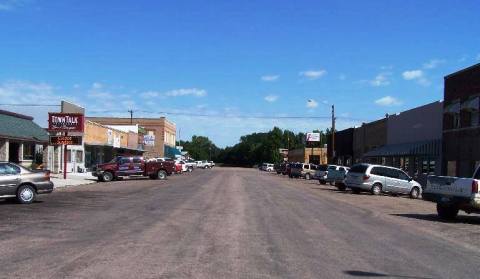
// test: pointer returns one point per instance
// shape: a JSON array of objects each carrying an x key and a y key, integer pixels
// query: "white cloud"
[
  {"x": 312, "y": 104},
  {"x": 413, "y": 74},
  {"x": 97, "y": 85},
  {"x": 186, "y": 92},
  {"x": 416, "y": 75},
  {"x": 271, "y": 98},
  {"x": 388, "y": 101},
  {"x": 150, "y": 94},
  {"x": 432, "y": 64},
  {"x": 380, "y": 80},
  {"x": 313, "y": 74},
  {"x": 270, "y": 77}
]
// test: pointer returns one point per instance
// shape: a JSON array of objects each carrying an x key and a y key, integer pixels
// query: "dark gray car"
[{"x": 23, "y": 184}]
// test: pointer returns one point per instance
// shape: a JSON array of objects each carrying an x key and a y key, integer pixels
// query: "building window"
[
  {"x": 28, "y": 151},
  {"x": 69, "y": 156},
  {"x": 431, "y": 167},
  {"x": 79, "y": 156}
]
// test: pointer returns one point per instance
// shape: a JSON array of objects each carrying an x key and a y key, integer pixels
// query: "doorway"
[{"x": 14, "y": 152}]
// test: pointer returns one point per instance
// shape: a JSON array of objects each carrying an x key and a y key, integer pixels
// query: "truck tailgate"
[{"x": 449, "y": 186}]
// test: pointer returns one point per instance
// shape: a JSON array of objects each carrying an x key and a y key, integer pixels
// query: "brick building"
[
  {"x": 343, "y": 147},
  {"x": 160, "y": 132},
  {"x": 316, "y": 155},
  {"x": 461, "y": 129},
  {"x": 368, "y": 137}
]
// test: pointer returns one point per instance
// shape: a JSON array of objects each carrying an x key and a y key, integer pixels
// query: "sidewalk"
[{"x": 73, "y": 179}]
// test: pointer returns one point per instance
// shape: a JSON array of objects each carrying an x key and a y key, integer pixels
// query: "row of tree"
[{"x": 252, "y": 149}]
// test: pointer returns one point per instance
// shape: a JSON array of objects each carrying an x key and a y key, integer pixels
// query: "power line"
[{"x": 298, "y": 117}]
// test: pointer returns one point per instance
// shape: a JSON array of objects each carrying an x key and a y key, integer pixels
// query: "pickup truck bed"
[{"x": 452, "y": 194}]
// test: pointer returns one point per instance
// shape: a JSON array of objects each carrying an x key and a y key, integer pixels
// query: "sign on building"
[
  {"x": 149, "y": 140},
  {"x": 65, "y": 140},
  {"x": 313, "y": 137},
  {"x": 65, "y": 122}
]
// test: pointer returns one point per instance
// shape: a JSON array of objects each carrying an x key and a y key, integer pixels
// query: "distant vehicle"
[
  {"x": 336, "y": 176},
  {"x": 377, "y": 179},
  {"x": 133, "y": 166},
  {"x": 306, "y": 171},
  {"x": 204, "y": 164},
  {"x": 267, "y": 167},
  {"x": 453, "y": 194},
  {"x": 23, "y": 184},
  {"x": 212, "y": 164},
  {"x": 321, "y": 174},
  {"x": 280, "y": 168},
  {"x": 190, "y": 165},
  {"x": 180, "y": 166},
  {"x": 288, "y": 169}
]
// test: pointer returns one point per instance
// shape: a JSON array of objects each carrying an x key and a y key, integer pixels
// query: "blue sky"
[{"x": 234, "y": 58}]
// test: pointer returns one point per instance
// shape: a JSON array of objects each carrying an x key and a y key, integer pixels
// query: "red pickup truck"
[{"x": 133, "y": 166}]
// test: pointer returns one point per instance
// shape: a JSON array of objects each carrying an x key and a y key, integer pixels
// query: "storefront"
[{"x": 21, "y": 140}]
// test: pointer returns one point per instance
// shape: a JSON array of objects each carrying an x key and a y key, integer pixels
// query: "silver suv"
[{"x": 377, "y": 179}]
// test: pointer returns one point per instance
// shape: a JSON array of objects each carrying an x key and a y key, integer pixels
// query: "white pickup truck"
[{"x": 453, "y": 194}]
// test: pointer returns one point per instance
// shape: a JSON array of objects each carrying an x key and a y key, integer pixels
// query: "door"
[
  {"x": 124, "y": 166},
  {"x": 390, "y": 179},
  {"x": 13, "y": 152},
  {"x": 403, "y": 183},
  {"x": 9, "y": 179},
  {"x": 138, "y": 166}
]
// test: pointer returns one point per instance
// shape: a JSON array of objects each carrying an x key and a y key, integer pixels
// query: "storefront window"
[
  {"x": 425, "y": 166},
  {"x": 79, "y": 156},
  {"x": 28, "y": 151},
  {"x": 431, "y": 167}
]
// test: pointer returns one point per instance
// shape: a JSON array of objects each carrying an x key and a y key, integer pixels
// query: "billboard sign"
[
  {"x": 313, "y": 137},
  {"x": 65, "y": 122},
  {"x": 65, "y": 140},
  {"x": 149, "y": 140}
]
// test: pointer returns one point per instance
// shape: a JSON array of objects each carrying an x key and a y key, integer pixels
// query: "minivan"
[{"x": 377, "y": 179}]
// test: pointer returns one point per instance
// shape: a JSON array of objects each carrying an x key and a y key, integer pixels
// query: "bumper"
[
  {"x": 359, "y": 186},
  {"x": 44, "y": 187}
]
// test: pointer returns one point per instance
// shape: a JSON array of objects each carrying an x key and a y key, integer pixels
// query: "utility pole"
[
  {"x": 131, "y": 117},
  {"x": 333, "y": 132}
]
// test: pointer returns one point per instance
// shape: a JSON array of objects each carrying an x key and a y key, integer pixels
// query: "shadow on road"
[
  {"x": 462, "y": 219},
  {"x": 358, "y": 273}
]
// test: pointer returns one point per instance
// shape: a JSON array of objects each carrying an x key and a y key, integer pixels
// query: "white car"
[{"x": 267, "y": 167}]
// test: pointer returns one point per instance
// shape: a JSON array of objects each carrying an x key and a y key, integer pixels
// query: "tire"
[
  {"x": 107, "y": 176},
  {"x": 162, "y": 175},
  {"x": 190, "y": 169},
  {"x": 341, "y": 187},
  {"x": 415, "y": 193},
  {"x": 331, "y": 183},
  {"x": 446, "y": 211},
  {"x": 323, "y": 182},
  {"x": 26, "y": 194},
  {"x": 355, "y": 191},
  {"x": 376, "y": 189},
  {"x": 307, "y": 176}
]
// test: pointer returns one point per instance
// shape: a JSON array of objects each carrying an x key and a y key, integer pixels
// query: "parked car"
[
  {"x": 321, "y": 174},
  {"x": 377, "y": 179},
  {"x": 212, "y": 164},
  {"x": 278, "y": 168},
  {"x": 180, "y": 167},
  {"x": 336, "y": 176},
  {"x": 133, "y": 166},
  {"x": 453, "y": 194},
  {"x": 267, "y": 167},
  {"x": 288, "y": 169},
  {"x": 23, "y": 184},
  {"x": 204, "y": 164},
  {"x": 306, "y": 171},
  {"x": 190, "y": 165}
]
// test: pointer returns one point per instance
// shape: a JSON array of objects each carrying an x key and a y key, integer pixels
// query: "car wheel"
[
  {"x": 323, "y": 182},
  {"x": 26, "y": 194},
  {"x": 341, "y": 187},
  {"x": 107, "y": 176},
  {"x": 162, "y": 175},
  {"x": 415, "y": 193},
  {"x": 447, "y": 211},
  {"x": 376, "y": 189},
  {"x": 307, "y": 176}
]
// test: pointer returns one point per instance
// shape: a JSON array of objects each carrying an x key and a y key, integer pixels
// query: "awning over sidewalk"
[{"x": 430, "y": 148}]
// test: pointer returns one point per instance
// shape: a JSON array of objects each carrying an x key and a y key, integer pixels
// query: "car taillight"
[
  {"x": 474, "y": 186},
  {"x": 366, "y": 177}
]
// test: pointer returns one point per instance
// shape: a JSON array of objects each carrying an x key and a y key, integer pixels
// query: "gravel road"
[{"x": 231, "y": 223}]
